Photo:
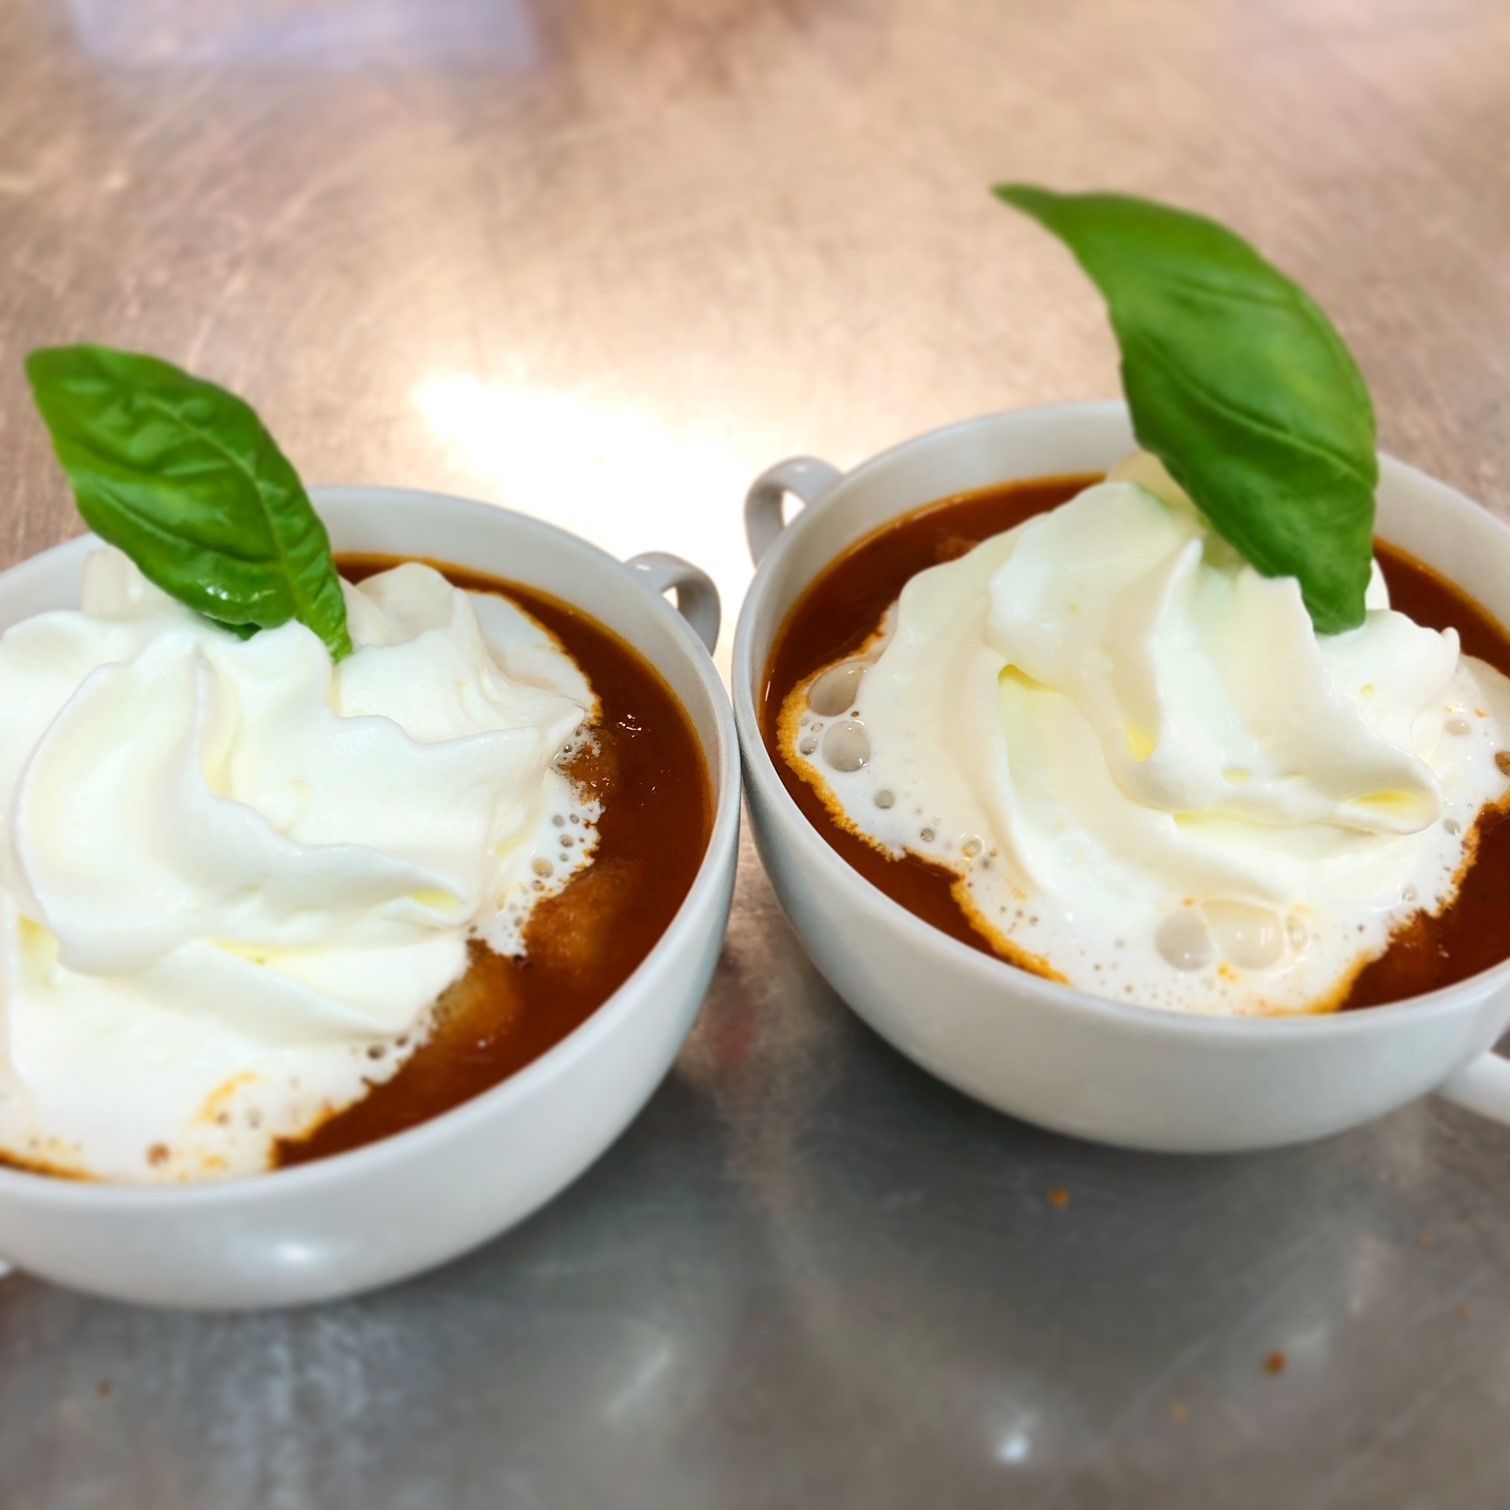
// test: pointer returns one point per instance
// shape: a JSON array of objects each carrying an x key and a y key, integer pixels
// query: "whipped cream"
[
  {"x": 1149, "y": 774},
  {"x": 234, "y": 878}
]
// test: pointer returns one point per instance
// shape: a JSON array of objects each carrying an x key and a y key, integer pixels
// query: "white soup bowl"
[
  {"x": 408, "y": 1202},
  {"x": 1054, "y": 1055}
]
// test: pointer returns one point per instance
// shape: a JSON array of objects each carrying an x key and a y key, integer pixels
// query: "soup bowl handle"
[
  {"x": 696, "y": 596},
  {"x": 1482, "y": 1086},
  {"x": 804, "y": 477}
]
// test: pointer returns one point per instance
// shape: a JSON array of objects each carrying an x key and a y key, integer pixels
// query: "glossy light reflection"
[
  {"x": 639, "y": 1387},
  {"x": 1016, "y": 1445},
  {"x": 331, "y": 36},
  {"x": 609, "y": 472}
]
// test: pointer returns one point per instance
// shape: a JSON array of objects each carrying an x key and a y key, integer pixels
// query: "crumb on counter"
[
  {"x": 1059, "y": 1197},
  {"x": 1275, "y": 1363}
]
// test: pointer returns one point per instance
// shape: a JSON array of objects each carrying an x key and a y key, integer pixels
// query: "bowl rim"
[
  {"x": 761, "y": 773},
  {"x": 723, "y": 763}
]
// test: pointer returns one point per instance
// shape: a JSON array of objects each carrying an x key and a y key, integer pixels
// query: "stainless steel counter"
[{"x": 602, "y": 261}]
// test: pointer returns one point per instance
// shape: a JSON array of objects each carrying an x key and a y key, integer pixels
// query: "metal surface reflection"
[
  {"x": 328, "y": 35},
  {"x": 611, "y": 471}
]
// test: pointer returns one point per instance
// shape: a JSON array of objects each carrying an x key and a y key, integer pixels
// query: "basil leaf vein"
[
  {"x": 1239, "y": 383},
  {"x": 184, "y": 478}
]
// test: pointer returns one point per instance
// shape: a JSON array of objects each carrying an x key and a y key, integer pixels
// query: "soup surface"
[
  {"x": 649, "y": 773},
  {"x": 841, "y": 609}
]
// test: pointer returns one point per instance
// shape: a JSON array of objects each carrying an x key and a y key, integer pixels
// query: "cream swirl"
[
  {"x": 1152, "y": 777},
  {"x": 235, "y": 878}
]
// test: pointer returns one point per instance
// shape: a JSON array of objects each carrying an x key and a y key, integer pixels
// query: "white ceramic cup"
[
  {"x": 1054, "y": 1055},
  {"x": 406, "y": 1203}
]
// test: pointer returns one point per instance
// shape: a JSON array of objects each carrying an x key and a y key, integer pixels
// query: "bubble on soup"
[
  {"x": 846, "y": 746},
  {"x": 1185, "y": 941},
  {"x": 885, "y": 799},
  {"x": 834, "y": 692},
  {"x": 1252, "y": 938},
  {"x": 807, "y": 744}
]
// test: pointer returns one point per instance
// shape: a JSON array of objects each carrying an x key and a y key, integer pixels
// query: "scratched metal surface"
[{"x": 603, "y": 261}]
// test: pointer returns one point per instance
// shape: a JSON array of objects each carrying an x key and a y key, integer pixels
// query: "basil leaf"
[
  {"x": 1239, "y": 384},
  {"x": 183, "y": 477}
]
